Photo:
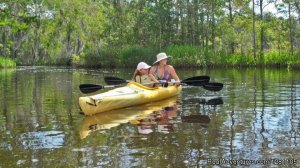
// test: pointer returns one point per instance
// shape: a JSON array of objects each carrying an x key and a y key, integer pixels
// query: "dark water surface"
[{"x": 254, "y": 121}]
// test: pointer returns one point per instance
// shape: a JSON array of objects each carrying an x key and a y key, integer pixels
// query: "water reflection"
[
  {"x": 163, "y": 120},
  {"x": 257, "y": 118},
  {"x": 42, "y": 140},
  {"x": 153, "y": 117},
  {"x": 109, "y": 119},
  {"x": 213, "y": 101}
]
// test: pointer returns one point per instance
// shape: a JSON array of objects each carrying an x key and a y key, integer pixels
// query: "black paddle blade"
[
  {"x": 213, "y": 86},
  {"x": 110, "y": 80},
  {"x": 196, "y": 81},
  {"x": 89, "y": 88}
]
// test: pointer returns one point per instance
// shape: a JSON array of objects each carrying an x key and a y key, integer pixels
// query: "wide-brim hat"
[{"x": 160, "y": 57}]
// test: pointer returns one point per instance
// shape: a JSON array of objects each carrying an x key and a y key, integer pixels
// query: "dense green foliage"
[
  {"x": 109, "y": 33},
  {"x": 6, "y": 62}
]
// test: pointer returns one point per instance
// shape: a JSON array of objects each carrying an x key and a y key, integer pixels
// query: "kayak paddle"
[
  {"x": 89, "y": 88},
  {"x": 115, "y": 81},
  {"x": 193, "y": 81}
]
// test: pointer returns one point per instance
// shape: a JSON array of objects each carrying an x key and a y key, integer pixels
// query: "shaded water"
[{"x": 254, "y": 120}]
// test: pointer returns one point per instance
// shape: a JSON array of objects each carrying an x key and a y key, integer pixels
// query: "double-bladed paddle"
[
  {"x": 192, "y": 81},
  {"x": 115, "y": 81},
  {"x": 90, "y": 88}
]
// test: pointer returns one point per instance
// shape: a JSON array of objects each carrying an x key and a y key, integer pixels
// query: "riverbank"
[{"x": 182, "y": 56}]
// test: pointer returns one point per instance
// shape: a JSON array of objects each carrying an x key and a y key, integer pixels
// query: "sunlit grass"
[
  {"x": 6, "y": 62},
  {"x": 185, "y": 56}
]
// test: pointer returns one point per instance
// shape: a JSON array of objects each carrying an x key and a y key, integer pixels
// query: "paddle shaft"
[{"x": 193, "y": 81}]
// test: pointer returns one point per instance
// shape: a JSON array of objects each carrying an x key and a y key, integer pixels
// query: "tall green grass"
[
  {"x": 116, "y": 57},
  {"x": 94, "y": 58},
  {"x": 183, "y": 56},
  {"x": 186, "y": 56},
  {"x": 6, "y": 62},
  {"x": 274, "y": 58},
  {"x": 132, "y": 55},
  {"x": 191, "y": 56}
]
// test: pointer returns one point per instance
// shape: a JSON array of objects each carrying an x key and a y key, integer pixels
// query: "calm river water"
[{"x": 254, "y": 121}]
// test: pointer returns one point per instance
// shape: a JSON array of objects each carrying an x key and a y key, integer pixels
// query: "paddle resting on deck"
[
  {"x": 192, "y": 81},
  {"x": 90, "y": 88},
  {"x": 115, "y": 81}
]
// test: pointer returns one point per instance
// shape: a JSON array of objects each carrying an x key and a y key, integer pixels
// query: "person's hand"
[{"x": 177, "y": 84}]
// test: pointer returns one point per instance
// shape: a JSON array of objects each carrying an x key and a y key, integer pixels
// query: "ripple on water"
[{"x": 43, "y": 140}]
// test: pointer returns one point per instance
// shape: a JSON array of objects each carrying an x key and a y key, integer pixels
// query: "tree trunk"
[
  {"x": 181, "y": 24},
  {"x": 213, "y": 26},
  {"x": 189, "y": 24},
  {"x": 254, "y": 30},
  {"x": 202, "y": 42},
  {"x": 5, "y": 31},
  {"x": 207, "y": 32},
  {"x": 36, "y": 43},
  {"x": 80, "y": 45},
  {"x": 196, "y": 23},
  {"x": 291, "y": 30},
  {"x": 262, "y": 28},
  {"x": 231, "y": 22},
  {"x": 69, "y": 46}
]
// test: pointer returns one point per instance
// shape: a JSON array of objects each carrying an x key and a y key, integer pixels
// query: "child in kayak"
[{"x": 141, "y": 75}]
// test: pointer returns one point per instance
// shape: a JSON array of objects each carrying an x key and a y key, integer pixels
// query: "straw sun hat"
[{"x": 160, "y": 57}]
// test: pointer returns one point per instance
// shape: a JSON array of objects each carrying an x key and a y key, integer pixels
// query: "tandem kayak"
[
  {"x": 131, "y": 94},
  {"x": 114, "y": 118}
]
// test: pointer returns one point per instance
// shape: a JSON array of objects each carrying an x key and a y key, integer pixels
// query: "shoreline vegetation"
[
  {"x": 185, "y": 57},
  {"x": 7, "y": 62},
  {"x": 181, "y": 57},
  {"x": 121, "y": 33}
]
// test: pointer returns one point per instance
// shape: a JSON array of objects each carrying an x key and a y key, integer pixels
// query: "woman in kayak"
[
  {"x": 161, "y": 70},
  {"x": 141, "y": 74}
]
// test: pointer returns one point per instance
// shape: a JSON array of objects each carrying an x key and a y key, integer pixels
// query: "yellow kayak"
[
  {"x": 114, "y": 118},
  {"x": 131, "y": 94}
]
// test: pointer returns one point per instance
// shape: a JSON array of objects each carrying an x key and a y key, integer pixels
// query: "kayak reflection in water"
[
  {"x": 162, "y": 118},
  {"x": 165, "y": 121}
]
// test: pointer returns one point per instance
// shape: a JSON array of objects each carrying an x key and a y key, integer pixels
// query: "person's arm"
[
  {"x": 173, "y": 73},
  {"x": 134, "y": 75},
  {"x": 153, "y": 78},
  {"x": 151, "y": 75},
  {"x": 137, "y": 78}
]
